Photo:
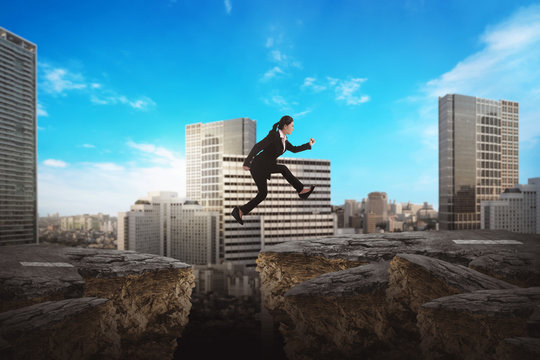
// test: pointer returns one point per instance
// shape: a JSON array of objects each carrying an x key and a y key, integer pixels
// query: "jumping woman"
[{"x": 261, "y": 162}]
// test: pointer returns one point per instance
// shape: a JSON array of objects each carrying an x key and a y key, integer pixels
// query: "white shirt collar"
[{"x": 282, "y": 135}]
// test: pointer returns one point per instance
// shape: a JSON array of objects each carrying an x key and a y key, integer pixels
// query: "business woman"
[{"x": 261, "y": 162}]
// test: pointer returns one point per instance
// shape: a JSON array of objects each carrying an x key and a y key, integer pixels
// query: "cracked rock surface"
[
  {"x": 331, "y": 296},
  {"x": 520, "y": 269},
  {"x": 149, "y": 294},
  {"x": 417, "y": 279}
]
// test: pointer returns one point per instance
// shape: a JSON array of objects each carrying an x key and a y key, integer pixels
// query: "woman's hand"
[
  {"x": 246, "y": 167},
  {"x": 311, "y": 141}
]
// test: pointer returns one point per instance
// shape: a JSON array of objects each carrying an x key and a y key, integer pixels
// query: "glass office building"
[
  {"x": 478, "y": 156},
  {"x": 18, "y": 138}
]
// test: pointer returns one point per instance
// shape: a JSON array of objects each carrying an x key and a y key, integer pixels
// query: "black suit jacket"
[{"x": 265, "y": 153}]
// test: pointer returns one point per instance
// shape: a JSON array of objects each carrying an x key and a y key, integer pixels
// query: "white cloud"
[
  {"x": 309, "y": 82},
  {"x": 228, "y": 6},
  {"x": 272, "y": 73},
  {"x": 58, "y": 80},
  {"x": 506, "y": 67},
  {"x": 88, "y": 146},
  {"x": 282, "y": 61},
  {"x": 41, "y": 111},
  {"x": 301, "y": 114},
  {"x": 332, "y": 81},
  {"x": 279, "y": 102},
  {"x": 108, "y": 166},
  {"x": 143, "y": 103},
  {"x": 153, "y": 149},
  {"x": 55, "y": 163},
  {"x": 277, "y": 56},
  {"x": 110, "y": 187},
  {"x": 99, "y": 101},
  {"x": 346, "y": 90}
]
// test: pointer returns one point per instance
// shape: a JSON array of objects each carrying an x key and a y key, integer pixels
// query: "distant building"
[
  {"x": 18, "y": 138},
  {"x": 340, "y": 216},
  {"x": 350, "y": 209},
  {"x": 395, "y": 208},
  {"x": 516, "y": 210},
  {"x": 376, "y": 211},
  {"x": 394, "y": 225},
  {"x": 226, "y": 279},
  {"x": 478, "y": 156},
  {"x": 86, "y": 222},
  {"x": 426, "y": 212},
  {"x": 165, "y": 225}
]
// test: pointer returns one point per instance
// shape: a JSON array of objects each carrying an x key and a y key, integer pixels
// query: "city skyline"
[{"x": 116, "y": 91}]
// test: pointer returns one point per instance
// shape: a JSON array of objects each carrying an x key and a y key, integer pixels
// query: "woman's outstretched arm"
[
  {"x": 258, "y": 147},
  {"x": 295, "y": 149}
]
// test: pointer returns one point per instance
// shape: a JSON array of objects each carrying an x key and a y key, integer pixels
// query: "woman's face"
[{"x": 287, "y": 129}]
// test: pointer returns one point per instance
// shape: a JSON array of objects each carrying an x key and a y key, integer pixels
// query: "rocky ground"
[
  {"x": 67, "y": 303},
  {"x": 422, "y": 295}
]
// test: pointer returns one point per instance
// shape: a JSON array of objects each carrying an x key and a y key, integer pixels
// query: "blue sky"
[{"x": 119, "y": 80}]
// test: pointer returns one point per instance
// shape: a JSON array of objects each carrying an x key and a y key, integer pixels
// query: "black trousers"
[{"x": 260, "y": 181}]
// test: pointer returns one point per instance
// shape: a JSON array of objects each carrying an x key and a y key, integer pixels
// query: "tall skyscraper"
[
  {"x": 214, "y": 156},
  {"x": 18, "y": 139},
  {"x": 165, "y": 225},
  {"x": 478, "y": 156},
  {"x": 205, "y": 146}
]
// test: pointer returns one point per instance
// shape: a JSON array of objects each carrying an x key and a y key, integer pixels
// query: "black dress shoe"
[
  {"x": 306, "y": 195},
  {"x": 236, "y": 214}
]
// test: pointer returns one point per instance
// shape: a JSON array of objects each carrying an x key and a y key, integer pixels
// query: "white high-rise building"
[
  {"x": 18, "y": 140},
  {"x": 282, "y": 216},
  {"x": 478, "y": 156},
  {"x": 163, "y": 224},
  {"x": 215, "y": 153},
  {"x": 516, "y": 210}
]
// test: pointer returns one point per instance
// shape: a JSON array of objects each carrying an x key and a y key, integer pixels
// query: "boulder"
[
  {"x": 417, "y": 279},
  {"x": 521, "y": 269},
  {"x": 338, "y": 315},
  {"x": 82, "y": 328},
  {"x": 150, "y": 294},
  {"x": 472, "y": 325}
]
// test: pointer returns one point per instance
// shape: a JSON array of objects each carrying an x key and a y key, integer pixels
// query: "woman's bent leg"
[
  {"x": 287, "y": 174},
  {"x": 262, "y": 187}
]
